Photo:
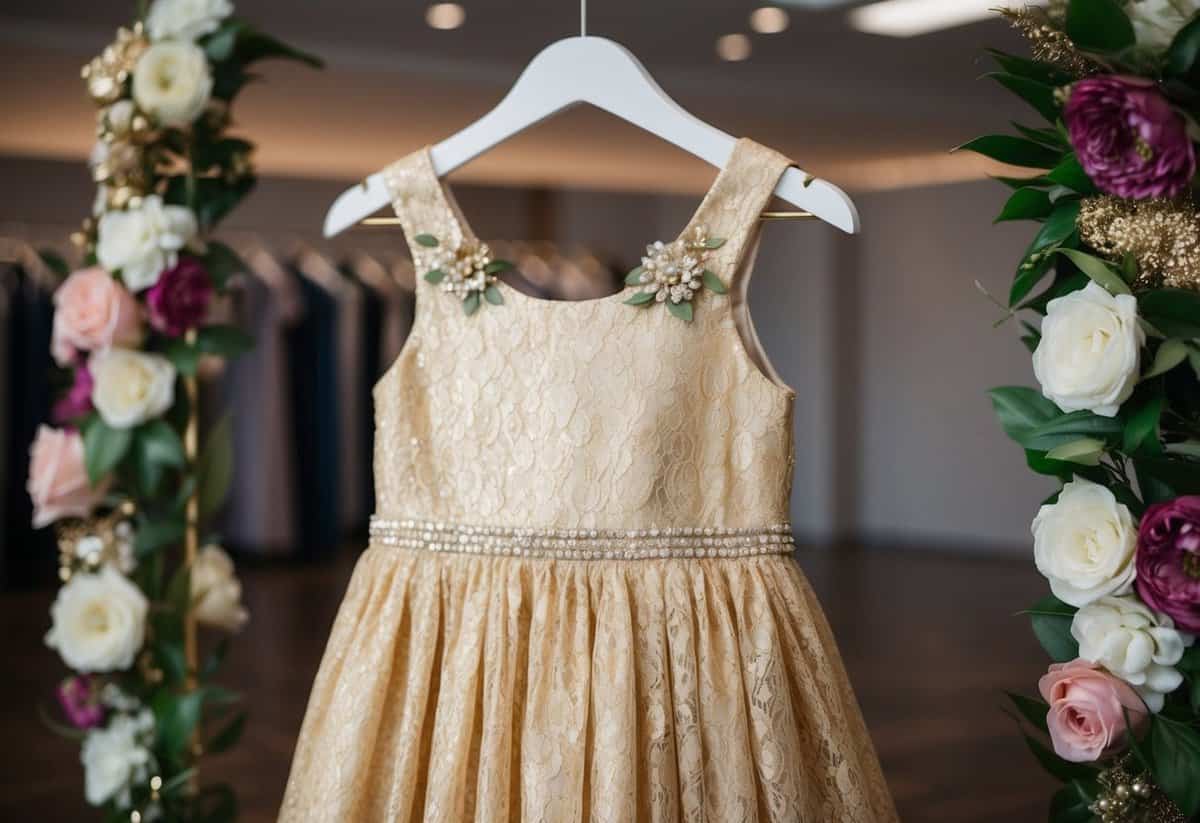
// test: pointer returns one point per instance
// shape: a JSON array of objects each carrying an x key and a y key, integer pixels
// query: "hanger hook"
[{"x": 583, "y": 18}]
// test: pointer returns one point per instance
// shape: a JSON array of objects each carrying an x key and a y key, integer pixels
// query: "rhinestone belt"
[{"x": 582, "y": 544}]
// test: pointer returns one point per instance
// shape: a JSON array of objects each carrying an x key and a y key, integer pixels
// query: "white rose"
[
  {"x": 1090, "y": 351},
  {"x": 131, "y": 387},
  {"x": 1134, "y": 643},
  {"x": 117, "y": 756},
  {"x": 186, "y": 19},
  {"x": 141, "y": 242},
  {"x": 1158, "y": 21},
  {"x": 98, "y": 621},
  {"x": 1084, "y": 544},
  {"x": 216, "y": 592},
  {"x": 172, "y": 82}
]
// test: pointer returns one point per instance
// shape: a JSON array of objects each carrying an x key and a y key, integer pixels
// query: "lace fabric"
[{"x": 462, "y": 687}]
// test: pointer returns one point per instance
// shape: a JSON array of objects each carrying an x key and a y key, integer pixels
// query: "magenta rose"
[
  {"x": 1168, "y": 561},
  {"x": 180, "y": 298},
  {"x": 1128, "y": 138},
  {"x": 78, "y": 400},
  {"x": 1088, "y": 710},
  {"x": 79, "y": 697}
]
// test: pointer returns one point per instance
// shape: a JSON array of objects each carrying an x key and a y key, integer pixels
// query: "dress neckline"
[{"x": 464, "y": 226}]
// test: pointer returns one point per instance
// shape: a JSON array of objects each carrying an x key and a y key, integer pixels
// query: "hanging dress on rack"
[{"x": 579, "y": 602}]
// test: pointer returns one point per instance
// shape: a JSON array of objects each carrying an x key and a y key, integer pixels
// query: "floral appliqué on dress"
[
  {"x": 467, "y": 271},
  {"x": 673, "y": 273}
]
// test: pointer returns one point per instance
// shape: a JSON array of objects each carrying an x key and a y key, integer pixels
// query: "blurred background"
[{"x": 912, "y": 506}]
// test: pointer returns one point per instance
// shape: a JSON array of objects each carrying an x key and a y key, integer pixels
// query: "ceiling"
[{"x": 864, "y": 111}]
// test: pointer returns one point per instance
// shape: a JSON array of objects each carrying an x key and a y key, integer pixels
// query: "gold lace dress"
[{"x": 578, "y": 603}]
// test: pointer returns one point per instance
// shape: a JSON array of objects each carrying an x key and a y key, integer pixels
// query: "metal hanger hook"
[{"x": 583, "y": 18}]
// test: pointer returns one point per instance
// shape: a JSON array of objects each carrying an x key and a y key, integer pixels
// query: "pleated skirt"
[{"x": 498, "y": 689}]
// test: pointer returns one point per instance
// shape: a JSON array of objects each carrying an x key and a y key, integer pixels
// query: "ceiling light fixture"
[
  {"x": 445, "y": 16},
  {"x": 908, "y": 18},
  {"x": 769, "y": 20},
  {"x": 733, "y": 47}
]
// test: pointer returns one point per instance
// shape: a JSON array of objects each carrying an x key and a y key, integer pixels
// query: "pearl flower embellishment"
[
  {"x": 674, "y": 273},
  {"x": 467, "y": 271}
]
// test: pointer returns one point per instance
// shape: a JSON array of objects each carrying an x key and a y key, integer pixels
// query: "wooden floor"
[{"x": 929, "y": 640}]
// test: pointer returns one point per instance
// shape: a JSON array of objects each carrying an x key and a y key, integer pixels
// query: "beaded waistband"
[{"x": 582, "y": 544}]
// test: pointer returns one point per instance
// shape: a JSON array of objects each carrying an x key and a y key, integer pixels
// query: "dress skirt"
[{"x": 502, "y": 690}]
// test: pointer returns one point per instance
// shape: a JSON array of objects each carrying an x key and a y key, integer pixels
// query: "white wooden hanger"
[{"x": 605, "y": 74}]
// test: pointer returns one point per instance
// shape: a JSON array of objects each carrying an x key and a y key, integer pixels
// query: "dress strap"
[
  {"x": 732, "y": 206},
  {"x": 423, "y": 204}
]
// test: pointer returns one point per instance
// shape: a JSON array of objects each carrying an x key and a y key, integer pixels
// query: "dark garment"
[
  {"x": 27, "y": 557},
  {"x": 312, "y": 356}
]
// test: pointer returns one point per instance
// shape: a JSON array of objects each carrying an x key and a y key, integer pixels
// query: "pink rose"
[
  {"x": 92, "y": 311},
  {"x": 1088, "y": 707},
  {"x": 58, "y": 481}
]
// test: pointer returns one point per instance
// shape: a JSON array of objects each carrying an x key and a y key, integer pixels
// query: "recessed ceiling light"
[
  {"x": 769, "y": 20},
  {"x": 907, "y": 18},
  {"x": 445, "y": 15},
  {"x": 733, "y": 47}
]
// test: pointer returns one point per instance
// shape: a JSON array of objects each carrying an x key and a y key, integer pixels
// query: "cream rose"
[
  {"x": 141, "y": 242},
  {"x": 92, "y": 311},
  {"x": 1156, "y": 22},
  {"x": 131, "y": 387},
  {"x": 1133, "y": 643},
  {"x": 1090, "y": 351},
  {"x": 58, "y": 481},
  {"x": 172, "y": 82},
  {"x": 117, "y": 756},
  {"x": 1084, "y": 544},
  {"x": 186, "y": 19},
  {"x": 98, "y": 621},
  {"x": 216, "y": 592}
]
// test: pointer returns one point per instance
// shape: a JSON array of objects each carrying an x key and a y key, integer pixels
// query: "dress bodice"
[{"x": 586, "y": 414}]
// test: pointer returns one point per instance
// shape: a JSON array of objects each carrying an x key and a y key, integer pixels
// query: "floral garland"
[
  {"x": 1115, "y": 341},
  {"x": 121, "y": 474}
]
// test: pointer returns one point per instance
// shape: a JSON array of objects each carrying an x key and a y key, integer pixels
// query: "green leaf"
[
  {"x": 634, "y": 278},
  {"x": 1190, "y": 662},
  {"x": 1070, "y": 173},
  {"x": 223, "y": 341},
  {"x": 215, "y": 467},
  {"x": 1183, "y": 57},
  {"x": 470, "y": 303},
  {"x": 1174, "y": 475},
  {"x": 1072, "y": 803},
  {"x": 183, "y": 356},
  {"x": 497, "y": 266},
  {"x": 1170, "y": 354},
  {"x": 1099, "y": 26},
  {"x": 1175, "y": 753},
  {"x": 493, "y": 296},
  {"x": 1015, "y": 151},
  {"x": 1096, "y": 269},
  {"x": 215, "y": 658},
  {"x": 1064, "y": 283},
  {"x": 228, "y": 736},
  {"x": 1026, "y": 204},
  {"x": 641, "y": 298},
  {"x": 1051, "y": 620},
  {"x": 435, "y": 275},
  {"x": 1086, "y": 451},
  {"x": 1032, "y": 709},
  {"x": 1020, "y": 409},
  {"x": 1049, "y": 137},
  {"x": 153, "y": 535},
  {"x": 172, "y": 661},
  {"x": 54, "y": 261},
  {"x": 426, "y": 240},
  {"x": 1142, "y": 414},
  {"x": 1058, "y": 228},
  {"x": 1034, "y": 92},
  {"x": 713, "y": 283},
  {"x": 682, "y": 309},
  {"x": 222, "y": 263},
  {"x": 1055, "y": 765},
  {"x": 714, "y": 242},
  {"x": 161, "y": 443},
  {"x": 1069, "y": 427},
  {"x": 1033, "y": 69},
  {"x": 179, "y": 591},
  {"x": 176, "y": 716},
  {"x": 1174, "y": 312},
  {"x": 103, "y": 447}
]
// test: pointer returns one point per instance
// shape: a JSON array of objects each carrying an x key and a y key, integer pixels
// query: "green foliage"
[
  {"x": 104, "y": 447},
  {"x": 1100, "y": 26},
  {"x": 1051, "y": 621},
  {"x": 215, "y": 469},
  {"x": 1175, "y": 761},
  {"x": 1015, "y": 151}
]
